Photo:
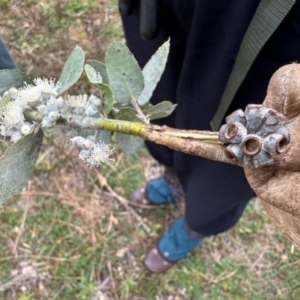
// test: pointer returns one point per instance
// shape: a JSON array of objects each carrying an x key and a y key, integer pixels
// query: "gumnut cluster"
[
  {"x": 255, "y": 136},
  {"x": 43, "y": 97}
]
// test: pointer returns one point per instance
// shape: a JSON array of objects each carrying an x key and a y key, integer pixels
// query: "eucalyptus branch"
[
  {"x": 199, "y": 143},
  {"x": 140, "y": 113}
]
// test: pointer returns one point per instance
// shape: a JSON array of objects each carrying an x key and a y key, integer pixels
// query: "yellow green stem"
[{"x": 199, "y": 143}]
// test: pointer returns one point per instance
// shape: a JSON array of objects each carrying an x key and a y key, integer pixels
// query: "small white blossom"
[
  {"x": 11, "y": 115},
  {"x": 100, "y": 153},
  {"x": 79, "y": 101},
  {"x": 29, "y": 95},
  {"x": 46, "y": 85}
]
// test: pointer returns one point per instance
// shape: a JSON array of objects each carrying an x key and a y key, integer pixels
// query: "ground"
[{"x": 71, "y": 232}]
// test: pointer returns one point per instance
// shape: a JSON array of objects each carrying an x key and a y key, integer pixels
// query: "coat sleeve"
[{"x": 6, "y": 61}]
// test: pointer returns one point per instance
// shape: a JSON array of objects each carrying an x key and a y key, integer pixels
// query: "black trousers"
[{"x": 205, "y": 38}]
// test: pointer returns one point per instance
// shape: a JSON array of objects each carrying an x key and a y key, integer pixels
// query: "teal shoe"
[
  {"x": 176, "y": 244},
  {"x": 172, "y": 247},
  {"x": 159, "y": 191}
]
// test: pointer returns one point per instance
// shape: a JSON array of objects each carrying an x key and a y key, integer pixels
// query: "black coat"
[
  {"x": 205, "y": 38},
  {"x": 6, "y": 61}
]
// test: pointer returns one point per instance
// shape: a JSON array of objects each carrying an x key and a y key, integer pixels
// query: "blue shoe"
[
  {"x": 172, "y": 247},
  {"x": 163, "y": 190}
]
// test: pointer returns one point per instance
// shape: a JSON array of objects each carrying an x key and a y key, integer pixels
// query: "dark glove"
[{"x": 149, "y": 12}]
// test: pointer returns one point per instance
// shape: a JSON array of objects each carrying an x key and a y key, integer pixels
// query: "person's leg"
[
  {"x": 216, "y": 195},
  {"x": 163, "y": 190},
  {"x": 6, "y": 61},
  {"x": 178, "y": 241}
]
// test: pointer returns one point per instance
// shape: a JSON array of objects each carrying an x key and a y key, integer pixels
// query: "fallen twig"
[
  {"x": 113, "y": 283},
  {"x": 123, "y": 201}
]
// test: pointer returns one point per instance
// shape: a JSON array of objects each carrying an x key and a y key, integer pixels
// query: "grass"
[{"x": 68, "y": 235}]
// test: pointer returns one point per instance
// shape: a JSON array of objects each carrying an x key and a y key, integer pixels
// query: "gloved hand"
[
  {"x": 149, "y": 13},
  {"x": 265, "y": 140},
  {"x": 278, "y": 186}
]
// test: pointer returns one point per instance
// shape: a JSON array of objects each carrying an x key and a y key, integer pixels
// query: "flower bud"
[
  {"x": 60, "y": 102},
  {"x": 88, "y": 144},
  {"x": 91, "y": 111},
  {"x": 78, "y": 141},
  {"x": 43, "y": 109},
  {"x": 26, "y": 128},
  {"x": 7, "y": 132},
  {"x": 47, "y": 123},
  {"x": 95, "y": 100},
  {"x": 15, "y": 136},
  {"x": 53, "y": 116},
  {"x": 84, "y": 154},
  {"x": 51, "y": 102}
]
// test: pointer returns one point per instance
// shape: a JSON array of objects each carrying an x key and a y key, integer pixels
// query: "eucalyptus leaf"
[
  {"x": 104, "y": 136},
  {"x": 11, "y": 78},
  {"x": 127, "y": 114},
  {"x": 128, "y": 143},
  {"x": 84, "y": 132},
  {"x": 72, "y": 69},
  {"x": 109, "y": 99},
  {"x": 17, "y": 164},
  {"x": 99, "y": 67},
  {"x": 158, "y": 111},
  {"x": 124, "y": 74},
  {"x": 92, "y": 74},
  {"x": 152, "y": 72}
]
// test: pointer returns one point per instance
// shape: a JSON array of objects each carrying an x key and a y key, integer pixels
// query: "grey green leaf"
[
  {"x": 124, "y": 74},
  {"x": 11, "y": 78},
  {"x": 92, "y": 74},
  {"x": 109, "y": 99},
  {"x": 161, "y": 110},
  {"x": 152, "y": 72},
  {"x": 17, "y": 164},
  {"x": 72, "y": 69},
  {"x": 127, "y": 114},
  {"x": 129, "y": 144},
  {"x": 104, "y": 136},
  {"x": 99, "y": 67}
]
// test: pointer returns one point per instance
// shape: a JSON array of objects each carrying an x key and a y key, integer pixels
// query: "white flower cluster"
[
  {"x": 12, "y": 121},
  {"x": 43, "y": 97},
  {"x": 93, "y": 154}
]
